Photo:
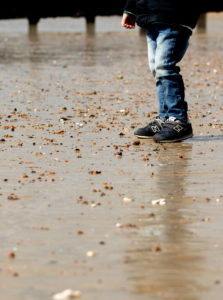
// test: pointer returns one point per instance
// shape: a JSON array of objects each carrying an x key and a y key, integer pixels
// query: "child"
[{"x": 169, "y": 25}]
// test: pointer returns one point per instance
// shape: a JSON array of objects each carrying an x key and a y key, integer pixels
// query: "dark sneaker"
[
  {"x": 150, "y": 130},
  {"x": 173, "y": 130}
]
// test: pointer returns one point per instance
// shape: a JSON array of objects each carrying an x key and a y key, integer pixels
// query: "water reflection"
[
  {"x": 90, "y": 50},
  {"x": 90, "y": 28},
  {"x": 173, "y": 271},
  {"x": 33, "y": 32}
]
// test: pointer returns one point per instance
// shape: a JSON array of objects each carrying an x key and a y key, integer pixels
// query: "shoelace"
[
  {"x": 175, "y": 125},
  {"x": 158, "y": 120}
]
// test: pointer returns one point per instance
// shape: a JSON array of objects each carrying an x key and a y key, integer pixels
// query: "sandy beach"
[{"x": 77, "y": 189}]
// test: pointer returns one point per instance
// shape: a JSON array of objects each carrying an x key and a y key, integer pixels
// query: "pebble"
[
  {"x": 127, "y": 200},
  {"x": 207, "y": 220},
  {"x": 67, "y": 294},
  {"x": 161, "y": 202},
  {"x": 90, "y": 254},
  {"x": 13, "y": 197},
  {"x": 156, "y": 249},
  {"x": 119, "y": 225},
  {"x": 11, "y": 255},
  {"x": 63, "y": 119},
  {"x": 37, "y": 154},
  {"x": 136, "y": 143},
  {"x": 24, "y": 176},
  {"x": 79, "y": 124},
  {"x": 94, "y": 172}
]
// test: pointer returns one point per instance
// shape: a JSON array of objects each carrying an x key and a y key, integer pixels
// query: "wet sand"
[{"x": 69, "y": 106}]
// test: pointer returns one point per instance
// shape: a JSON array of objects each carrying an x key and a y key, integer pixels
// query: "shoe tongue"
[{"x": 172, "y": 119}]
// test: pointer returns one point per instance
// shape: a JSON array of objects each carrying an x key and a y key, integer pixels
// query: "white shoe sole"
[{"x": 143, "y": 136}]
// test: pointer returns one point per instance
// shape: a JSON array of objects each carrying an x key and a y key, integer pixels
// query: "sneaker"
[
  {"x": 174, "y": 130},
  {"x": 150, "y": 130}
]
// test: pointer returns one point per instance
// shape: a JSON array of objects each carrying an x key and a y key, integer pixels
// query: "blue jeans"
[{"x": 166, "y": 47}]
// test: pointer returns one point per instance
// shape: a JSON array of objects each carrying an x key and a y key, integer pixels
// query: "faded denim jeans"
[{"x": 166, "y": 47}]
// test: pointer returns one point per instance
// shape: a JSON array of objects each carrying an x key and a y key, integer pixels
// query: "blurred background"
[{"x": 81, "y": 16}]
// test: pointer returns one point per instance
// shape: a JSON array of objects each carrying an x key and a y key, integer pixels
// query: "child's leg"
[
  {"x": 172, "y": 44},
  {"x": 152, "y": 35},
  {"x": 151, "y": 43}
]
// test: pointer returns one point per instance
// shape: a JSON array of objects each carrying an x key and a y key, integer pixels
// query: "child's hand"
[{"x": 128, "y": 21}]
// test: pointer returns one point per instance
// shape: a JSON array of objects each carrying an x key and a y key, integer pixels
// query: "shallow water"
[{"x": 102, "y": 86}]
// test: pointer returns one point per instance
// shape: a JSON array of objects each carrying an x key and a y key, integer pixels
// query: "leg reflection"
[{"x": 164, "y": 258}]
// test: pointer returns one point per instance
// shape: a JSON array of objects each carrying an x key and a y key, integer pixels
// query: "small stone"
[
  {"x": 119, "y": 154},
  {"x": 37, "y": 154},
  {"x": 13, "y": 197},
  {"x": 127, "y": 200},
  {"x": 151, "y": 215},
  {"x": 11, "y": 255},
  {"x": 119, "y": 225},
  {"x": 94, "y": 172},
  {"x": 207, "y": 220},
  {"x": 90, "y": 254},
  {"x": 136, "y": 143},
  {"x": 161, "y": 202},
  {"x": 67, "y": 294},
  {"x": 63, "y": 119},
  {"x": 24, "y": 176},
  {"x": 80, "y": 232},
  {"x": 156, "y": 249}
]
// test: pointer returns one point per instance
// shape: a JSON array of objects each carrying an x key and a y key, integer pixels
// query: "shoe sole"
[
  {"x": 176, "y": 140},
  {"x": 143, "y": 136}
]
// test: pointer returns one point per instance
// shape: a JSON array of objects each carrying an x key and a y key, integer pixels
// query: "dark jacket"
[{"x": 183, "y": 12}]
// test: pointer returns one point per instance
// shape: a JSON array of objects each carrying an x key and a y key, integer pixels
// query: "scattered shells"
[
  {"x": 24, "y": 176},
  {"x": 95, "y": 204},
  {"x": 127, "y": 200},
  {"x": 90, "y": 254},
  {"x": 13, "y": 197},
  {"x": 125, "y": 112},
  {"x": 67, "y": 294},
  {"x": 161, "y": 201},
  {"x": 129, "y": 225},
  {"x": 94, "y": 172},
  {"x": 63, "y": 119},
  {"x": 119, "y": 225},
  {"x": 207, "y": 220},
  {"x": 118, "y": 154},
  {"x": 37, "y": 154},
  {"x": 79, "y": 124}
]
